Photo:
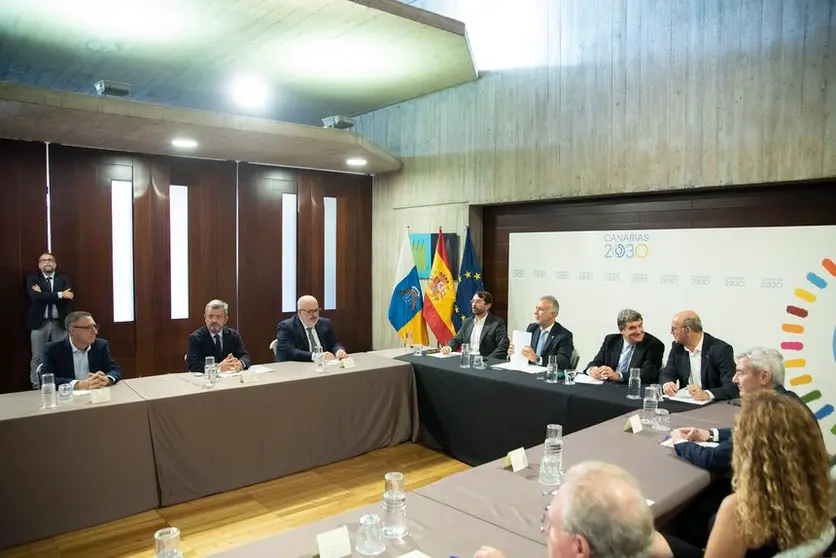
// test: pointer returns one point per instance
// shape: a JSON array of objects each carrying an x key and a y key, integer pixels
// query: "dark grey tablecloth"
[
  {"x": 434, "y": 529},
  {"x": 292, "y": 419},
  {"x": 74, "y": 466},
  {"x": 515, "y": 501}
]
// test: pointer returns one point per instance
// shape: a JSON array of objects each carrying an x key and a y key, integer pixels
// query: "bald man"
[
  {"x": 698, "y": 361},
  {"x": 598, "y": 512},
  {"x": 297, "y": 337}
]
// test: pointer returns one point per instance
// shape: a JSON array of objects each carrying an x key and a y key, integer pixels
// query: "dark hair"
[{"x": 486, "y": 296}]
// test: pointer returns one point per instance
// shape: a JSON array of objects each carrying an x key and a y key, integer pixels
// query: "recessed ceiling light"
[
  {"x": 356, "y": 162},
  {"x": 249, "y": 92},
  {"x": 184, "y": 143}
]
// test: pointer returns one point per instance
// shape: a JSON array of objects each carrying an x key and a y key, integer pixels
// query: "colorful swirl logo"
[{"x": 795, "y": 366}]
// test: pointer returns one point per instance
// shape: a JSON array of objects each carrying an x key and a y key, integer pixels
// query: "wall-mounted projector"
[
  {"x": 339, "y": 122},
  {"x": 105, "y": 87}
]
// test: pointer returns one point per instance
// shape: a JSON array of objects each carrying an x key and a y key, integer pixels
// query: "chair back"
[
  {"x": 273, "y": 344},
  {"x": 576, "y": 357}
]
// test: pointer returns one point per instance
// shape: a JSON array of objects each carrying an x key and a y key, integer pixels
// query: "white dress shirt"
[
  {"x": 81, "y": 366},
  {"x": 51, "y": 281},
  {"x": 476, "y": 334},
  {"x": 695, "y": 358}
]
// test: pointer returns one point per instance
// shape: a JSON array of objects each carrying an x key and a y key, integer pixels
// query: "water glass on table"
[
  {"x": 634, "y": 384},
  {"x": 318, "y": 360},
  {"x": 370, "y": 535},
  {"x": 662, "y": 421},
  {"x": 65, "y": 393},
  {"x": 551, "y": 466},
  {"x": 649, "y": 405},
  {"x": 465, "y": 356},
  {"x": 551, "y": 370},
  {"x": 408, "y": 342},
  {"x": 167, "y": 543},
  {"x": 570, "y": 377},
  {"x": 479, "y": 362},
  {"x": 49, "y": 399}
]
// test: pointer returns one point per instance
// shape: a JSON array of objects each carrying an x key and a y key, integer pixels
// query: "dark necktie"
[
  {"x": 218, "y": 354},
  {"x": 50, "y": 314},
  {"x": 311, "y": 338}
]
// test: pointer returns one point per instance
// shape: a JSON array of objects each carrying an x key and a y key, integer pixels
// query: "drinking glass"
[
  {"x": 479, "y": 362},
  {"x": 662, "y": 421},
  {"x": 570, "y": 377},
  {"x": 49, "y": 399},
  {"x": 408, "y": 339},
  {"x": 65, "y": 393},
  {"x": 370, "y": 535},
  {"x": 551, "y": 370},
  {"x": 167, "y": 543},
  {"x": 318, "y": 360},
  {"x": 465, "y": 356},
  {"x": 634, "y": 384},
  {"x": 649, "y": 405}
]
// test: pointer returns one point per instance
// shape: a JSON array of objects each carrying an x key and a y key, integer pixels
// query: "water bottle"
[
  {"x": 318, "y": 360},
  {"x": 49, "y": 398},
  {"x": 634, "y": 384},
  {"x": 650, "y": 403},
  {"x": 465, "y": 356},
  {"x": 394, "y": 507},
  {"x": 551, "y": 467}
]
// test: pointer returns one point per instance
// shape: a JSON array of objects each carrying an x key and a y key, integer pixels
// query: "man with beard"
[
  {"x": 483, "y": 331},
  {"x": 216, "y": 340}
]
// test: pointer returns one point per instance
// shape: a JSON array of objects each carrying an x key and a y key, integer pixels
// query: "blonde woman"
[{"x": 781, "y": 487}]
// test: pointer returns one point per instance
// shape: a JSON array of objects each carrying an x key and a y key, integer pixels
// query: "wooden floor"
[{"x": 247, "y": 514}]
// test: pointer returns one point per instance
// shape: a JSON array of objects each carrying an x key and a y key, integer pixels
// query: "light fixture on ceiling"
[
  {"x": 184, "y": 143},
  {"x": 356, "y": 162},
  {"x": 249, "y": 92}
]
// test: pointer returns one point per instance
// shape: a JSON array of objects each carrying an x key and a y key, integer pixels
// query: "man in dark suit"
[
  {"x": 482, "y": 330},
  {"x": 632, "y": 347},
  {"x": 699, "y": 361},
  {"x": 297, "y": 337},
  {"x": 216, "y": 340},
  {"x": 547, "y": 336},
  {"x": 49, "y": 293},
  {"x": 81, "y": 360}
]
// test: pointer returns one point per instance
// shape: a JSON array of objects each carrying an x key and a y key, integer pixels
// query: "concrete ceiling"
[
  {"x": 34, "y": 114},
  {"x": 317, "y": 58}
]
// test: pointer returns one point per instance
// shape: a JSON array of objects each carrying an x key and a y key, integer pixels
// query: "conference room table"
[
  {"x": 73, "y": 466},
  {"x": 291, "y": 419},
  {"x": 434, "y": 529},
  {"x": 477, "y": 416},
  {"x": 515, "y": 501}
]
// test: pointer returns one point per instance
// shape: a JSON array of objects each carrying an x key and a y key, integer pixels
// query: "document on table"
[
  {"x": 520, "y": 340},
  {"x": 670, "y": 442},
  {"x": 589, "y": 380},
  {"x": 442, "y": 355},
  {"x": 524, "y": 367},
  {"x": 257, "y": 368},
  {"x": 684, "y": 397}
]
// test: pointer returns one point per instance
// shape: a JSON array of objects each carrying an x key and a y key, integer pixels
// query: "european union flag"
[{"x": 470, "y": 281}]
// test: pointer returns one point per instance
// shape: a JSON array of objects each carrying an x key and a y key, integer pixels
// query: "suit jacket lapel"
[
  {"x": 706, "y": 345},
  {"x": 638, "y": 353}
]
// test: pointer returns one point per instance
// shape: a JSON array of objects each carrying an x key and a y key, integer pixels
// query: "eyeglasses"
[
  {"x": 314, "y": 311},
  {"x": 42, "y": 260},
  {"x": 93, "y": 327}
]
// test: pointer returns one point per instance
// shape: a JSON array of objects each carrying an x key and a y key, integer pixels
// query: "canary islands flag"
[
  {"x": 470, "y": 281},
  {"x": 441, "y": 294},
  {"x": 406, "y": 303}
]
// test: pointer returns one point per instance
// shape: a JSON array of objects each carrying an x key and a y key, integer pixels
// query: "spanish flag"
[{"x": 440, "y": 295}]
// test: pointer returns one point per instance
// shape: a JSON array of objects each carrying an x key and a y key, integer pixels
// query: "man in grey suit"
[{"x": 482, "y": 330}]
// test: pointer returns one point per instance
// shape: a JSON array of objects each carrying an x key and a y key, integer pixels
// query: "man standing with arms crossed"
[{"x": 50, "y": 294}]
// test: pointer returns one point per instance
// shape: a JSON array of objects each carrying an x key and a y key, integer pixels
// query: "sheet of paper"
[
  {"x": 650, "y": 502},
  {"x": 518, "y": 458},
  {"x": 415, "y": 554},
  {"x": 260, "y": 368},
  {"x": 670, "y": 442},
  {"x": 520, "y": 340},
  {"x": 527, "y": 368},
  {"x": 442, "y": 355},
  {"x": 584, "y": 379},
  {"x": 100, "y": 395},
  {"x": 80, "y": 392},
  {"x": 332, "y": 362},
  {"x": 684, "y": 397},
  {"x": 248, "y": 376},
  {"x": 334, "y": 543}
]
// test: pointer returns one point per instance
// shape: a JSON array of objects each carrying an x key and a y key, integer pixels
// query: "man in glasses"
[
  {"x": 81, "y": 360},
  {"x": 299, "y": 336},
  {"x": 49, "y": 293}
]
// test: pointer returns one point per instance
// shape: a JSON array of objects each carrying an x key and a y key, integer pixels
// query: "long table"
[
  {"x": 515, "y": 501},
  {"x": 434, "y": 529},
  {"x": 208, "y": 441},
  {"x": 477, "y": 416},
  {"x": 77, "y": 465}
]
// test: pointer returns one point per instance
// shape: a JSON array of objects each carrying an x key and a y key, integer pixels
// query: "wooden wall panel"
[
  {"x": 606, "y": 97},
  {"x": 23, "y": 214},
  {"x": 788, "y": 205}
]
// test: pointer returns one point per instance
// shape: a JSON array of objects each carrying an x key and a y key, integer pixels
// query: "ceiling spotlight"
[
  {"x": 184, "y": 143},
  {"x": 356, "y": 162},
  {"x": 249, "y": 92}
]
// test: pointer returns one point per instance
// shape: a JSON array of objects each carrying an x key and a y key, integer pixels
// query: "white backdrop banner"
[{"x": 774, "y": 287}]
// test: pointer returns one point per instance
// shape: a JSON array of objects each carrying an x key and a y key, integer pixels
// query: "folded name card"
[
  {"x": 633, "y": 424},
  {"x": 248, "y": 376},
  {"x": 518, "y": 459},
  {"x": 348, "y": 362},
  {"x": 415, "y": 554},
  {"x": 334, "y": 543},
  {"x": 101, "y": 395}
]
